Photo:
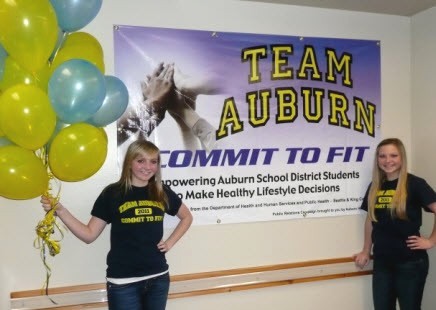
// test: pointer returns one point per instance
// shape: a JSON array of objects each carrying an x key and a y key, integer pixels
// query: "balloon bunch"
[
  {"x": 55, "y": 99},
  {"x": 53, "y": 95}
]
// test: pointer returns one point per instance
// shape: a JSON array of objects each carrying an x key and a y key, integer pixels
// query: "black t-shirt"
[
  {"x": 389, "y": 234},
  {"x": 137, "y": 228}
]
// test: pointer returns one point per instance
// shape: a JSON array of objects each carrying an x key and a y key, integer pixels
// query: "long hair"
[
  {"x": 398, "y": 203},
  {"x": 155, "y": 187}
]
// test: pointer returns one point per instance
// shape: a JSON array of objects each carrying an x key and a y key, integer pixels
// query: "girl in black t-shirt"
[
  {"x": 135, "y": 206},
  {"x": 394, "y": 201}
]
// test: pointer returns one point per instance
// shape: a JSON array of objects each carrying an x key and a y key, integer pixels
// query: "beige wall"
[
  {"x": 207, "y": 248},
  {"x": 423, "y": 109}
]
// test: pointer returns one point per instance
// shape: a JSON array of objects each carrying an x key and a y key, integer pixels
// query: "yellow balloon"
[
  {"x": 15, "y": 74},
  {"x": 22, "y": 174},
  {"x": 104, "y": 133},
  {"x": 59, "y": 126},
  {"x": 4, "y": 141},
  {"x": 77, "y": 152},
  {"x": 28, "y": 31},
  {"x": 80, "y": 45},
  {"x": 26, "y": 116},
  {"x": 83, "y": 39},
  {"x": 77, "y": 52}
]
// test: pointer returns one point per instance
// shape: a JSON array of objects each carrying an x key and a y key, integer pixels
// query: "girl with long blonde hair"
[
  {"x": 137, "y": 271},
  {"x": 394, "y": 201}
]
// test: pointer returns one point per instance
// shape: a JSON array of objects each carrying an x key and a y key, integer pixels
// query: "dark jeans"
[
  {"x": 399, "y": 280},
  {"x": 150, "y": 294}
]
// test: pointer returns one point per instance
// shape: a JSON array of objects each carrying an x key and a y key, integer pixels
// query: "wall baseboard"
[{"x": 93, "y": 296}]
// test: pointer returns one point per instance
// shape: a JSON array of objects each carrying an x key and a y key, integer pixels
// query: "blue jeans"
[
  {"x": 404, "y": 281},
  {"x": 150, "y": 294}
]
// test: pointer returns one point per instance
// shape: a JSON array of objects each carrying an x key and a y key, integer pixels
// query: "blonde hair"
[
  {"x": 398, "y": 203},
  {"x": 155, "y": 187}
]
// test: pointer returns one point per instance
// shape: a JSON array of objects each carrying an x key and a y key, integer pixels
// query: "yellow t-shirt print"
[
  {"x": 384, "y": 199},
  {"x": 143, "y": 211}
]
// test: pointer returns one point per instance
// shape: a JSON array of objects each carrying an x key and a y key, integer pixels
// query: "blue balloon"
[
  {"x": 76, "y": 90},
  {"x": 114, "y": 104},
  {"x": 73, "y": 15},
  {"x": 3, "y": 55}
]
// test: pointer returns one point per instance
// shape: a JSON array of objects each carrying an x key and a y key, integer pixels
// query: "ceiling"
[{"x": 392, "y": 7}]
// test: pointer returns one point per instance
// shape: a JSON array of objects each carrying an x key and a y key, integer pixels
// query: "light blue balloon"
[
  {"x": 76, "y": 90},
  {"x": 3, "y": 55},
  {"x": 114, "y": 104},
  {"x": 73, "y": 15}
]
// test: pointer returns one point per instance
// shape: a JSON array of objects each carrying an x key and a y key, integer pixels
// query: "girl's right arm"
[
  {"x": 362, "y": 259},
  {"x": 87, "y": 233}
]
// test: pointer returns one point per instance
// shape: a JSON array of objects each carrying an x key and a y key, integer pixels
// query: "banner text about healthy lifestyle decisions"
[{"x": 290, "y": 194}]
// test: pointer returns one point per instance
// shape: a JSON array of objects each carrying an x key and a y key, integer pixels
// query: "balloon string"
[
  {"x": 48, "y": 275},
  {"x": 45, "y": 228},
  {"x": 48, "y": 227},
  {"x": 58, "y": 47}
]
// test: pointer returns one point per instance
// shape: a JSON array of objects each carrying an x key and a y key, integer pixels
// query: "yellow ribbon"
[
  {"x": 43, "y": 241},
  {"x": 48, "y": 226}
]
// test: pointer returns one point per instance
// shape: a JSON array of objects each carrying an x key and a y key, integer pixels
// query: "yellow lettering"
[
  {"x": 362, "y": 117},
  {"x": 312, "y": 114},
  {"x": 253, "y": 54},
  {"x": 127, "y": 205},
  {"x": 338, "y": 109},
  {"x": 280, "y": 71},
  {"x": 229, "y": 117},
  {"x": 286, "y": 105},
  {"x": 255, "y": 119},
  {"x": 390, "y": 192},
  {"x": 133, "y": 220},
  {"x": 143, "y": 211},
  {"x": 309, "y": 63},
  {"x": 335, "y": 65},
  {"x": 385, "y": 199}
]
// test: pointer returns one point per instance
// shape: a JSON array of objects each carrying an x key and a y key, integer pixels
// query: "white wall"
[
  {"x": 423, "y": 109},
  {"x": 208, "y": 248}
]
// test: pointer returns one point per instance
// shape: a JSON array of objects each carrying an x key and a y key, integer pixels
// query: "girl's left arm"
[
  {"x": 422, "y": 243},
  {"x": 432, "y": 207},
  {"x": 432, "y": 237},
  {"x": 182, "y": 227}
]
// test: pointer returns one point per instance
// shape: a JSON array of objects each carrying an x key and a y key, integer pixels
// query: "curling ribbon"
[
  {"x": 45, "y": 228},
  {"x": 44, "y": 231},
  {"x": 48, "y": 227}
]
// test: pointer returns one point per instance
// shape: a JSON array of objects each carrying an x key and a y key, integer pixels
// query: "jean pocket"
[{"x": 112, "y": 286}]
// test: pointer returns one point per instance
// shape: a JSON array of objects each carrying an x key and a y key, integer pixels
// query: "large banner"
[{"x": 253, "y": 127}]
